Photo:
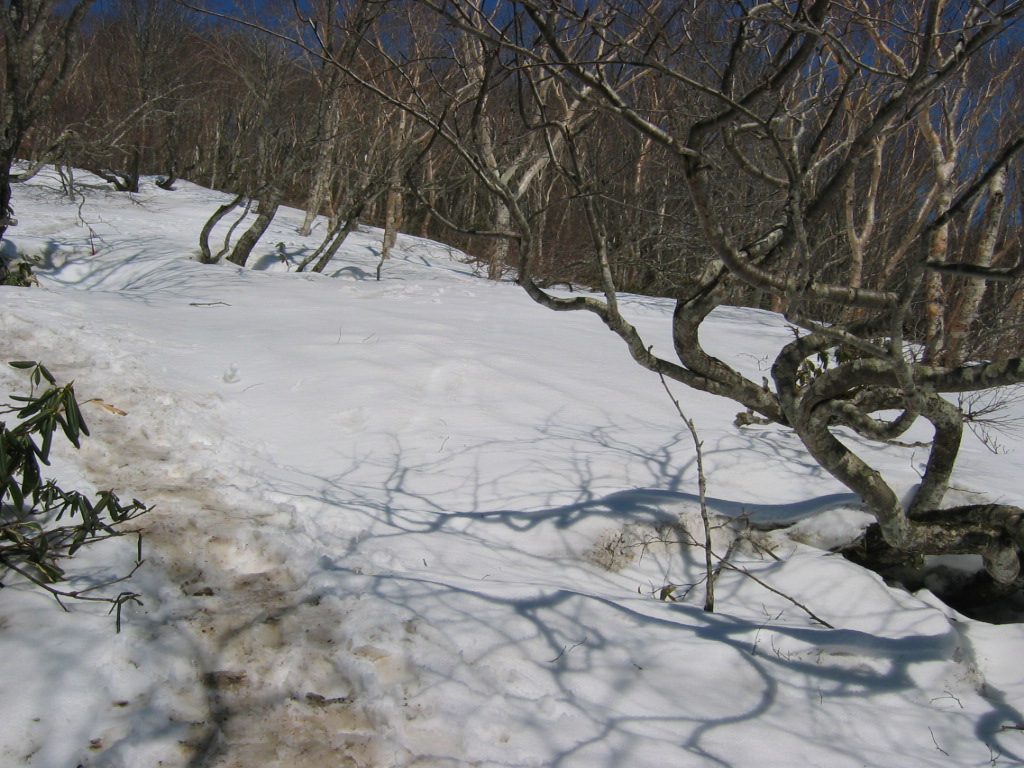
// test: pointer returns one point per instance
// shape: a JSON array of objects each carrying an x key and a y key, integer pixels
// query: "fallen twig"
[{"x": 566, "y": 649}]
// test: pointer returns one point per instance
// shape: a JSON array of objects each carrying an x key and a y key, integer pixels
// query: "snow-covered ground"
[{"x": 425, "y": 522}]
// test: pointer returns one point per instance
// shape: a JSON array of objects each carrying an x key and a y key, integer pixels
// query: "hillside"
[{"x": 425, "y": 522}]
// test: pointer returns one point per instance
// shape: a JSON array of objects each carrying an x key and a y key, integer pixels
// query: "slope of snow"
[{"x": 425, "y": 522}]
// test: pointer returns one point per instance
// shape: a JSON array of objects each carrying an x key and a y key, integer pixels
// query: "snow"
[{"x": 426, "y": 522}]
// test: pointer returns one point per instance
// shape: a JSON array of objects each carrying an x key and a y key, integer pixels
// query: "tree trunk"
[
  {"x": 324, "y": 170},
  {"x": 934, "y": 332},
  {"x": 499, "y": 248},
  {"x": 392, "y": 221},
  {"x": 215, "y": 159},
  {"x": 131, "y": 178},
  {"x": 430, "y": 194},
  {"x": 336, "y": 237},
  {"x": 350, "y": 224},
  {"x": 963, "y": 315},
  {"x": 265, "y": 214},
  {"x": 6, "y": 211},
  {"x": 206, "y": 256}
]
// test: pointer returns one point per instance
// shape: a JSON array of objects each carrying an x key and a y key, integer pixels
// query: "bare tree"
[
  {"x": 326, "y": 135},
  {"x": 150, "y": 61},
  {"x": 338, "y": 29},
  {"x": 370, "y": 160},
  {"x": 269, "y": 137},
  {"x": 39, "y": 53},
  {"x": 804, "y": 104},
  {"x": 457, "y": 91}
]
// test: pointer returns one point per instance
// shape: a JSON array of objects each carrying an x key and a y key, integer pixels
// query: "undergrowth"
[{"x": 41, "y": 524}]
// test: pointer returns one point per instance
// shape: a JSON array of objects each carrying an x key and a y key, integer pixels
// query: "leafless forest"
[{"x": 852, "y": 164}]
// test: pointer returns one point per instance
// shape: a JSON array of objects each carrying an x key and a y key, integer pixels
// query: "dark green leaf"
[
  {"x": 17, "y": 497},
  {"x": 73, "y": 413},
  {"x": 69, "y": 431},
  {"x": 43, "y": 451},
  {"x": 50, "y": 572}
]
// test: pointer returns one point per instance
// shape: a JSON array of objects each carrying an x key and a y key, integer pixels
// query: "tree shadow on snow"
[{"x": 539, "y": 611}]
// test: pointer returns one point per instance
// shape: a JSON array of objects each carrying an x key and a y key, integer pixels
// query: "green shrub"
[
  {"x": 17, "y": 272},
  {"x": 41, "y": 524}
]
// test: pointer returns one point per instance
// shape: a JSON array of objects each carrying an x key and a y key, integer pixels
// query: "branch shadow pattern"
[{"x": 538, "y": 610}]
